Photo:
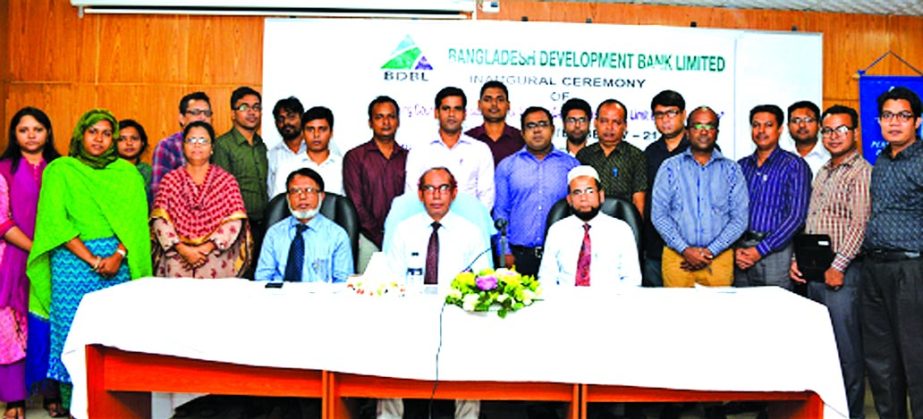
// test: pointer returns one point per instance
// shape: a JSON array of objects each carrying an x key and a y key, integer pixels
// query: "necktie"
[
  {"x": 432, "y": 257},
  {"x": 295, "y": 262},
  {"x": 583, "y": 261}
]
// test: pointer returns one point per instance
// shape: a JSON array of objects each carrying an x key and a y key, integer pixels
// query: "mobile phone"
[{"x": 274, "y": 284}]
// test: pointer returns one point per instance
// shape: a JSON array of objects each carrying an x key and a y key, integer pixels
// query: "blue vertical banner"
[{"x": 870, "y": 87}]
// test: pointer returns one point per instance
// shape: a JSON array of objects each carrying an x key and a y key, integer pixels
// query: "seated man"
[
  {"x": 305, "y": 246},
  {"x": 588, "y": 247}
]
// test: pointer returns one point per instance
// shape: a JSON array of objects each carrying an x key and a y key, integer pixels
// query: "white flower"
[
  {"x": 470, "y": 302},
  {"x": 455, "y": 293},
  {"x": 527, "y": 296},
  {"x": 502, "y": 297}
]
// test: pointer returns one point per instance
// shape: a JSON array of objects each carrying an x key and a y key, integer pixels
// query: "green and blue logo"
[{"x": 407, "y": 56}]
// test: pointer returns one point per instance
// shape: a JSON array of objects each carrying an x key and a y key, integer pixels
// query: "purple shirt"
[
  {"x": 779, "y": 195},
  {"x": 526, "y": 189},
  {"x": 168, "y": 155},
  {"x": 508, "y": 143},
  {"x": 371, "y": 182}
]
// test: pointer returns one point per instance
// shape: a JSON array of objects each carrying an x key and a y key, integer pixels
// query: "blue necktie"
[{"x": 295, "y": 263}]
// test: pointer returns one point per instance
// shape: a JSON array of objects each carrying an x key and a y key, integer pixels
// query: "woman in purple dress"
[{"x": 30, "y": 149}]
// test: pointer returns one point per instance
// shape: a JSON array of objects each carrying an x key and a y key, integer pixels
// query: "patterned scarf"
[
  {"x": 197, "y": 211},
  {"x": 77, "y": 149}
]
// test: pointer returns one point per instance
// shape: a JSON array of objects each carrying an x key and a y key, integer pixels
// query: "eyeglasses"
[
  {"x": 197, "y": 141},
  {"x": 244, "y": 107},
  {"x": 574, "y": 121},
  {"x": 841, "y": 130},
  {"x": 701, "y": 127},
  {"x": 669, "y": 114},
  {"x": 306, "y": 191},
  {"x": 539, "y": 124},
  {"x": 805, "y": 120},
  {"x": 197, "y": 112},
  {"x": 901, "y": 116},
  {"x": 432, "y": 188},
  {"x": 585, "y": 191}
]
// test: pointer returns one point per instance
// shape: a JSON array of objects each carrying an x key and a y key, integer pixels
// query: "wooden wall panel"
[
  {"x": 4, "y": 68},
  {"x": 49, "y": 43}
]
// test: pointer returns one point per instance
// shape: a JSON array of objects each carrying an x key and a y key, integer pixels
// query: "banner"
[
  {"x": 344, "y": 64},
  {"x": 870, "y": 87}
]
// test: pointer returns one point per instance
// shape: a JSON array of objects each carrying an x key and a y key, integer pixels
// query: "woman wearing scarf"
[
  {"x": 199, "y": 221},
  {"x": 29, "y": 150},
  {"x": 91, "y": 230}
]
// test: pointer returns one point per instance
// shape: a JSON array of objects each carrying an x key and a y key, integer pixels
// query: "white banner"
[{"x": 344, "y": 64}]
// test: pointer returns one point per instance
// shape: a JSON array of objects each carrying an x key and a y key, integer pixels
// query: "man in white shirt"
[
  {"x": 469, "y": 160},
  {"x": 287, "y": 114},
  {"x": 803, "y": 125},
  {"x": 317, "y": 130},
  {"x": 589, "y": 248}
]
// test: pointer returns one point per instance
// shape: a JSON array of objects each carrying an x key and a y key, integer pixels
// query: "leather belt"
[
  {"x": 534, "y": 251},
  {"x": 879, "y": 255}
]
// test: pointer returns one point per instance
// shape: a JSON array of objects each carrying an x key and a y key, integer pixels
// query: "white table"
[{"x": 759, "y": 339}]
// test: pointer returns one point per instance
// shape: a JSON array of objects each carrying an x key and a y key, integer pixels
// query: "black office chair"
[
  {"x": 336, "y": 207},
  {"x": 615, "y": 207}
]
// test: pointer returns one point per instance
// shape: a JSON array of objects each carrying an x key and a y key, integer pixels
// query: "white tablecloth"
[{"x": 758, "y": 339}]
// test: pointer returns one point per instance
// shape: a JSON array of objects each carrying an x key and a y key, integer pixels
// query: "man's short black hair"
[
  {"x": 184, "y": 102},
  {"x": 290, "y": 104},
  {"x": 901, "y": 93},
  {"x": 773, "y": 109},
  {"x": 306, "y": 172},
  {"x": 533, "y": 109},
  {"x": 318, "y": 112},
  {"x": 579, "y": 104},
  {"x": 669, "y": 98},
  {"x": 131, "y": 123},
  {"x": 495, "y": 84},
  {"x": 384, "y": 99},
  {"x": 242, "y": 91},
  {"x": 611, "y": 101},
  {"x": 843, "y": 110},
  {"x": 451, "y": 91},
  {"x": 803, "y": 104}
]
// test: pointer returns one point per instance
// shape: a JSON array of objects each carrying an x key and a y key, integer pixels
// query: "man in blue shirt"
[
  {"x": 779, "y": 183},
  {"x": 527, "y": 184},
  {"x": 699, "y": 207},
  {"x": 305, "y": 246}
]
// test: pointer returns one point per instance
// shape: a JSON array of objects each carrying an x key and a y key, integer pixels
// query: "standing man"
[
  {"x": 668, "y": 109},
  {"x": 699, "y": 207},
  {"x": 468, "y": 159},
  {"x": 242, "y": 153},
  {"x": 373, "y": 175},
  {"x": 502, "y": 139},
  {"x": 589, "y": 248},
  {"x": 287, "y": 114},
  {"x": 803, "y": 126},
  {"x": 317, "y": 130},
  {"x": 892, "y": 272},
  {"x": 529, "y": 183},
  {"x": 840, "y": 208},
  {"x": 168, "y": 154},
  {"x": 779, "y": 184},
  {"x": 621, "y": 166},
  {"x": 576, "y": 115}
]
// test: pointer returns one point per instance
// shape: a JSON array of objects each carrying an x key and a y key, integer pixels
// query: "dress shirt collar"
[
  {"x": 241, "y": 140},
  {"x": 847, "y": 162},
  {"x": 312, "y": 223},
  {"x": 461, "y": 139},
  {"x": 661, "y": 144},
  {"x": 912, "y": 150},
  {"x": 302, "y": 148},
  {"x": 554, "y": 153},
  {"x": 370, "y": 147},
  {"x": 773, "y": 156},
  {"x": 508, "y": 132},
  {"x": 715, "y": 156}
]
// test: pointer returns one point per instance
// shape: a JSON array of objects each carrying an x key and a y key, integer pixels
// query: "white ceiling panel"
[{"x": 877, "y": 7}]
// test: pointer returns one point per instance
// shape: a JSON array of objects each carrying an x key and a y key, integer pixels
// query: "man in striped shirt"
[
  {"x": 840, "y": 208},
  {"x": 779, "y": 183}
]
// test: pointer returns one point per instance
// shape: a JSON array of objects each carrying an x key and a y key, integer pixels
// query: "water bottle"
[{"x": 413, "y": 281}]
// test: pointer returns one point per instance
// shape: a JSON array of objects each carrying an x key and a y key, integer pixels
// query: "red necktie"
[
  {"x": 432, "y": 257},
  {"x": 583, "y": 261}
]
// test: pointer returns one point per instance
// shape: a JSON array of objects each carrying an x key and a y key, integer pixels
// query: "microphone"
[
  {"x": 475, "y": 259},
  {"x": 501, "y": 224}
]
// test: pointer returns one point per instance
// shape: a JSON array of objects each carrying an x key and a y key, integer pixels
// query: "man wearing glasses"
[
  {"x": 528, "y": 184},
  {"x": 242, "y": 153},
  {"x": 699, "y": 207},
  {"x": 576, "y": 115},
  {"x": 168, "y": 154},
  {"x": 803, "y": 126},
  {"x": 840, "y": 208},
  {"x": 306, "y": 246},
  {"x": 589, "y": 248},
  {"x": 668, "y": 109},
  {"x": 892, "y": 271}
]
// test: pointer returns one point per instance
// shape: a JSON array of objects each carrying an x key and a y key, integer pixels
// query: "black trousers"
[
  {"x": 528, "y": 259},
  {"x": 892, "y": 334}
]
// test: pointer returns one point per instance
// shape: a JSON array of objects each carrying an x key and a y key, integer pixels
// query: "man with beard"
[
  {"x": 576, "y": 115},
  {"x": 803, "y": 126},
  {"x": 287, "y": 114},
  {"x": 502, "y": 139},
  {"x": 589, "y": 248},
  {"x": 779, "y": 185},
  {"x": 468, "y": 159},
  {"x": 699, "y": 208},
  {"x": 306, "y": 246},
  {"x": 668, "y": 109},
  {"x": 529, "y": 183},
  {"x": 373, "y": 175},
  {"x": 317, "y": 130}
]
